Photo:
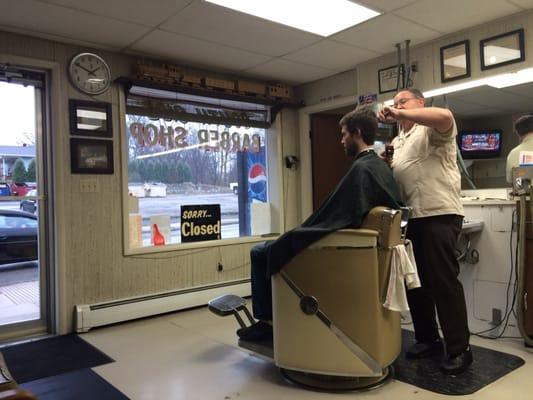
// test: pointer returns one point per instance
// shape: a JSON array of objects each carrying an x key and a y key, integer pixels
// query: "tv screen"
[{"x": 480, "y": 144}]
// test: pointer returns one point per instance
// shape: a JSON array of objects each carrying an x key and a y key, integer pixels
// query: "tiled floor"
[{"x": 193, "y": 355}]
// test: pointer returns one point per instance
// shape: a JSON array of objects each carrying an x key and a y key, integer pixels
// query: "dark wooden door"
[{"x": 329, "y": 162}]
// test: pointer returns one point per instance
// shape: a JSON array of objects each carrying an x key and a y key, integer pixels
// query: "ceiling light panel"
[{"x": 321, "y": 17}]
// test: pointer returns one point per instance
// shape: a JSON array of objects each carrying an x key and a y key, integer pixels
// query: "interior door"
[{"x": 329, "y": 161}]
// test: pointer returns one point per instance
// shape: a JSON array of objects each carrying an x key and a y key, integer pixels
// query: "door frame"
[
  {"x": 50, "y": 115},
  {"x": 306, "y": 171}
]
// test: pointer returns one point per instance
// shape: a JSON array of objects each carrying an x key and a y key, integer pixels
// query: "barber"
[
  {"x": 425, "y": 167},
  {"x": 524, "y": 129}
]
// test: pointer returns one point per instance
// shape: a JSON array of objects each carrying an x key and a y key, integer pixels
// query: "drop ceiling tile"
[
  {"x": 478, "y": 113},
  {"x": 56, "y": 38},
  {"x": 288, "y": 72},
  {"x": 462, "y": 108},
  {"x": 381, "y": 33},
  {"x": 332, "y": 55},
  {"x": 454, "y": 15},
  {"x": 35, "y": 16},
  {"x": 196, "y": 52},
  {"x": 488, "y": 97},
  {"x": 140, "y": 11},
  {"x": 218, "y": 24},
  {"x": 385, "y": 5},
  {"x": 524, "y": 90}
]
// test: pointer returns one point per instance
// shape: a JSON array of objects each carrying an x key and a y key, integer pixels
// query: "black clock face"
[{"x": 89, "y": 73}]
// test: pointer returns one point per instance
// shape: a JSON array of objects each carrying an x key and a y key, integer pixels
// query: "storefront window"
[{"x": 195, "y": 181}]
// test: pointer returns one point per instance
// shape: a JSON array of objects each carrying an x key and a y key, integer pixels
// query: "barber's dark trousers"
[
  {"x": 434, "y": 243},
  {"x": 261, "y": 284}
]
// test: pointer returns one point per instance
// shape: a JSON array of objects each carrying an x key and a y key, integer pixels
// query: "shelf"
[{"x": 200, "y": 91}]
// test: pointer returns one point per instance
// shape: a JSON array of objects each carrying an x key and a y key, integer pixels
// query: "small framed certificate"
[{"x": 391, "y": 79}]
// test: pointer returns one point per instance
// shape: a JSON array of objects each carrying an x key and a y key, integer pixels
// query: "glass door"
[{"x": 24, "y": 300}]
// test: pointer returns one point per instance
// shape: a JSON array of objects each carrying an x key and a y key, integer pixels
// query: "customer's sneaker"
[
  {"x": 424, "y": 350},
  {"x": 258, "y": 332},
  {"x": 457, "y": 364}
]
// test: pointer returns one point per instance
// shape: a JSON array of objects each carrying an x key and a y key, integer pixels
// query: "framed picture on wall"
[
  {"x": 389, "y": 80},
  {"x": 91, "y": 156},
  {"x": 90, "y": 118},
  {"x": 504, "y": 49},
  {"x": 455, "y": 61}
]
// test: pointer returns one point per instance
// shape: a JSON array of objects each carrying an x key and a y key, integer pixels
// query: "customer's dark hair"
[
  {"x": 415, "y": 92},
  {"x": 362, "y": 118},
  {"x": 524, "y": 125}
]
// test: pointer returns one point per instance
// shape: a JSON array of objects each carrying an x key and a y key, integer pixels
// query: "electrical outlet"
[{"x": 89, "y": 185}]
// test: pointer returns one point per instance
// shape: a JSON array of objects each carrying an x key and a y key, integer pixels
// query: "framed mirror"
[
  {"x": 504, "y": 49},
  {"x": 455, "y": 61},
  {"x": 90, "y": 118}
]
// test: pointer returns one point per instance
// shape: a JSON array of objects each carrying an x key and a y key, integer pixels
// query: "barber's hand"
[{"x": 388, "y": 115}]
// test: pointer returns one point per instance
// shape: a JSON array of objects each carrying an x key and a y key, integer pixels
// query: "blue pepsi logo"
[{"x": 257, "y": 180}]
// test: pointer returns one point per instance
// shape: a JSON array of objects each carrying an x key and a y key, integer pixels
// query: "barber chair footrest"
[
  {"x": 230, "y": 304},
  {"x": 226, "y": 305}
]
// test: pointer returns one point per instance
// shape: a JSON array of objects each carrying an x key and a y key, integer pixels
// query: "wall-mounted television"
[{"x": 480, "y": 144}]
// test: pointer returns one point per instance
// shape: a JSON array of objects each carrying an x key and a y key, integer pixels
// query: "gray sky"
[{"x": 17, "y": 113}]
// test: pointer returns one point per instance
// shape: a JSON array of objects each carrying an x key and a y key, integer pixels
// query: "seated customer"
[
  {"x": 368, "y": 183},
  {"x": 524, "y": 129}
]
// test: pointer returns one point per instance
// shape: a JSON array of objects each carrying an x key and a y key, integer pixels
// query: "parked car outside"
[
  {"x": 18, "y": 237},
  {"x": 29, "y": 205},
  {"x": 21, "y": 188},
  {"x": 5, "y": 190}
]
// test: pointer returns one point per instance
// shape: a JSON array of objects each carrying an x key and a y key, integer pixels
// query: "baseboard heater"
[{"x": 89, "y": 316}]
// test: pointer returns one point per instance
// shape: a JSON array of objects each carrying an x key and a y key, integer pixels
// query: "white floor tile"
[{"x": 194, "y": 355}]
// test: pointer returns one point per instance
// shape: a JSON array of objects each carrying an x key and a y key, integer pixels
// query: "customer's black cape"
[{"x": 369, "y": 183}]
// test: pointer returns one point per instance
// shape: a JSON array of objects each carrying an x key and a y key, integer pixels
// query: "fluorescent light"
[
  {"x": 512, "y": 78},
  {"x": 456, "y": 88},
  {"x": 499, "y": 81},
  {"x": 322, "y": 17}
]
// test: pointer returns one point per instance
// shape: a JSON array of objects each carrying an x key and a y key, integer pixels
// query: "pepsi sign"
[{"x": 257, "y": 176}]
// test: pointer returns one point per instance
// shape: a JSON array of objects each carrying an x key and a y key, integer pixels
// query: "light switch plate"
[{"x": 89, "y": 185}]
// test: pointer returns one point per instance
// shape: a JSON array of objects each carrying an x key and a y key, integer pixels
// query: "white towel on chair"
[{"x": 403, "y": 273}]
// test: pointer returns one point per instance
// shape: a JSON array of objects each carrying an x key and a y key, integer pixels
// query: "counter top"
[{"x": 486, "y": 202}]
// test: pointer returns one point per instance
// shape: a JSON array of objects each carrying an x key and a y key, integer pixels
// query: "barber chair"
[{"x": 331, "y": 331}]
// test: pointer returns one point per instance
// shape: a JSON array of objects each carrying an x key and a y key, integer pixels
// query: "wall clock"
[{"x": 89, "y": 73}]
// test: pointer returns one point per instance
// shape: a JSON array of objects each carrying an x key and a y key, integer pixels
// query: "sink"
[{"x": 472, "y": 225}]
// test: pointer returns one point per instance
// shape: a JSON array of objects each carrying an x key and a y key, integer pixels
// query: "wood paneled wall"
[{"x": 90, "y": 265}]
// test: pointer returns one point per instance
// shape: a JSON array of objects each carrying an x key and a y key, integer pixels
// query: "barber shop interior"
[{"x": 251, "y": 200}]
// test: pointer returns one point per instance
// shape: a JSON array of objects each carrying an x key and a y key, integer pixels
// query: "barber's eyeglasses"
[{"x": 401, "y": 102}]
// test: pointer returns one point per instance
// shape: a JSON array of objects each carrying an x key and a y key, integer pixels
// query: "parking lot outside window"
[{"x": 177, "y": 168}]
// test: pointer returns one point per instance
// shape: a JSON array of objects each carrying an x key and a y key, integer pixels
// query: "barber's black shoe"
[
  {"x": 454, "y": 365},
  {"x": 258, "y": 332},
  {"x": 424, "y": 350}
]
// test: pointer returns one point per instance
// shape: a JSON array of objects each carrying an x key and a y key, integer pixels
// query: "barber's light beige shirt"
[
  {"x": 514, "y": 155},
  {"x": 425, "y": 168}
]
